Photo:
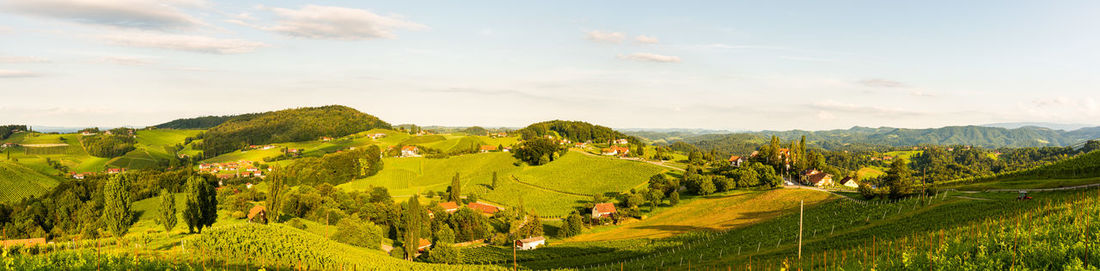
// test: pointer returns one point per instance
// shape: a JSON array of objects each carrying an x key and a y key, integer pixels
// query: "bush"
[
  {"x": 444, "y": 253},
  {"x": 354, "y": 231}
]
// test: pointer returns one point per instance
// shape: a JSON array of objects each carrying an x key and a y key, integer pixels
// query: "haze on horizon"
[{"x": 639, "y": 64}]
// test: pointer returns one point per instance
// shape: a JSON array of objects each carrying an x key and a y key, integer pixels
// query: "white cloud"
[
  {"x": 191, "y": 43},
  {"x": 338, "y": 23},
  {"x": 881, "y": 83},
  {"x": 23, "y": 59},
  {"x": 651, "y": 57},
  {"x": 18, "y": 74},
  {"x": 146, "y": 14},
  {"x": 606, "y": 37},
  {"x": 646, "y": 39},
  {"x": 127, "y": 60},
  {"x": 825, "y": 115},
  {"x": 1062, "y": 107}
]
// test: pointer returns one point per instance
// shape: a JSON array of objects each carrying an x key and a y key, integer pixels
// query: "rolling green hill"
[
  {"x": 290, "y": 125},
  {"x": 553, "y": 189},
  {"x": 576, "y": 131},
  {"x": 18, "y": 182},
  {"x": 204, "y": 122}
]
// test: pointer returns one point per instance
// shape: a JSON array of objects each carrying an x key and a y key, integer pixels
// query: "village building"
[
  {"x": 487, "y": 148},
  {"x": 9, "y": 145},
  {"x": 530, "y": 243},
  {"x": 258, "y": 214},
  {"x": 616, "y": 150},
  {"x": 485, "y": 208},
  {"x": 849, "y": 182},
  {"x": 736, "y": 161},
  {"x": 87, "y": 133},
  {"x": 410, "y": 151},
  {"x": 507, "y": 149},
  {"x": 603, "y": 210},
  {"x": 424, "y": 244},
  {"x": 621, "y": 141},
  {"x": 78, "y": 176},
  {"x": 820, "y": 179},
  {"x": 115, "y": 170},
  {"x": 450, "y": 207},
  {"x": 325, "y": 138}
]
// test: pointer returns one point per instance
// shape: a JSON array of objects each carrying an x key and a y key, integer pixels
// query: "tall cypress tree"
[
  {"x": 456, "y": 189},
  {"x": 412, "y": 227},
  {"x": 167, "y": 215},
  {"x": 275, "y": 194},
  {"x": 494, "y": 180},
  {"x": 116, "y": 204},
  {"x": 201, "y": 208}
]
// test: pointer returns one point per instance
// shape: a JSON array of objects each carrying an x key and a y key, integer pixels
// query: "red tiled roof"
[
  {"x": 488, "y": 147},
  {"x": 449, "y": 206},
  {"x": 604, "y": 208},
  {"x": 256, "y": 211},
  {"x": 408, "y": 148},
  {"x": 484, "y": 208},
  {"x": 815, "y": 178},
  {"x": 424, "y": 243},
  {"x": 734, "y": 158}
]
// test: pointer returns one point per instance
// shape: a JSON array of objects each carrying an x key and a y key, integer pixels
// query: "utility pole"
[{"x": 801, "y": 206}]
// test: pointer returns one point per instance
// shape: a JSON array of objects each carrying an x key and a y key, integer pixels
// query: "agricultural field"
[
  {"x": 583, "y": 174},
  {"x": 20, "y": 182},
  {"x": 908, "y": 155},
  {"x": 713, "y": 213},
  {"x": 870, "y": 172}
]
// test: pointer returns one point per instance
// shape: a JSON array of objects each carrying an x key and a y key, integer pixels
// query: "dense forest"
[
  {"x": 7, "y": 130},
  {"x": 205, "y": 122},
  {"x": 112, "y": 145},
  {"x": 576, "y": 131},
  {"x": 288, "y": 125}
]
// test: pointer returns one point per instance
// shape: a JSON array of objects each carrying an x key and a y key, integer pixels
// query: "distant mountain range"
[
  {"x": 1048, "y": 125},
  {"x": 980, "y": 136}
]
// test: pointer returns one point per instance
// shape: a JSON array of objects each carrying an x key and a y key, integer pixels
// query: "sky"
[{"x": 736, "y": 65}]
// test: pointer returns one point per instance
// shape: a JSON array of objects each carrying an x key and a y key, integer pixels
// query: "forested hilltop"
[
  {"x": 576, "y": 131},
  {"x": 300, "y": 124},
  {"x": 200, "y": 122}
]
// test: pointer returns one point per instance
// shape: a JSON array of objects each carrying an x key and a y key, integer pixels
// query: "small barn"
[
  {"x": 258, "y": 214},
  {"x": 603, "y": 210},
  {"x": 530, "y": 243},
  {"x": 849, "y": 182}
]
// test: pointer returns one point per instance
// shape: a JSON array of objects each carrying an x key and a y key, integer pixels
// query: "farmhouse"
[
  {"x": 9, "y": 145},
  {"x": 325, "y": 138},
  {"x": 488, "y": 148},
  {"x": 258, "y": 214},
  {"x": 621, "y": 141},
  {"x": 424, "y": 244},
  {"x": 115, "y": 170},
  {"x": 410, "y": 151},
  {"x": 376, "y": 135},
  {"x": 530, "y": 243},
  {"x": 820, "y": 179},
  {"x": 735, "y": 161},
  {"x": 484, "y": 208},
  {"x": 87, "y": 133},
  {"x": 450, "y": 207},
  {"x": 603, "y": 210},
  {"x": 616, "y": 150},
  {"x": 78, "y": 176},
  {"x": 849, "y": 182}
]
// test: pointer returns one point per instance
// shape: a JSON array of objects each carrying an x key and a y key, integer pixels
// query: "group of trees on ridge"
[{"x": 300, "y": 124}]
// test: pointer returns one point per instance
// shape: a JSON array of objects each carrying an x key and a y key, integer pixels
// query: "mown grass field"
[
  {"x": 869, "y": 172},
  {"x": 713, "y": 213},
  {"x": 582, "y": 174},
  {"x": 18, "y": 182}
]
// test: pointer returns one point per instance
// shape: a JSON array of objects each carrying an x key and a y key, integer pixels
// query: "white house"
[
  {"x": 410, "y": 151},
  {"x": 530, "y": 243},
  {"x": 849, "y": 182},
  {"x": 735, "y": 161}
]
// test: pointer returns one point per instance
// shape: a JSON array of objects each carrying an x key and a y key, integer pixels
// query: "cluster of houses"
[
  {"x": 821, "y": 179},
  {"x": 621, "y": 141},
  {"x": 261, "y": 147},
  {"x": 9, "y": 145},
  {"x": 615, "y": 150},
  {"x": 409, "y": 151},
  {"x": 82, "y": 175},
  {"x": 376, "y": 136},
  {"x": 326, "y": 139},
  {"x": 496, "y": 135},
  {"x": 240, "y": 169},
  {"x": 491, "y": 148}
]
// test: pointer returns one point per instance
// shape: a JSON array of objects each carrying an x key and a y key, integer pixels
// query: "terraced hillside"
[{"x": 18, "y": 182}]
